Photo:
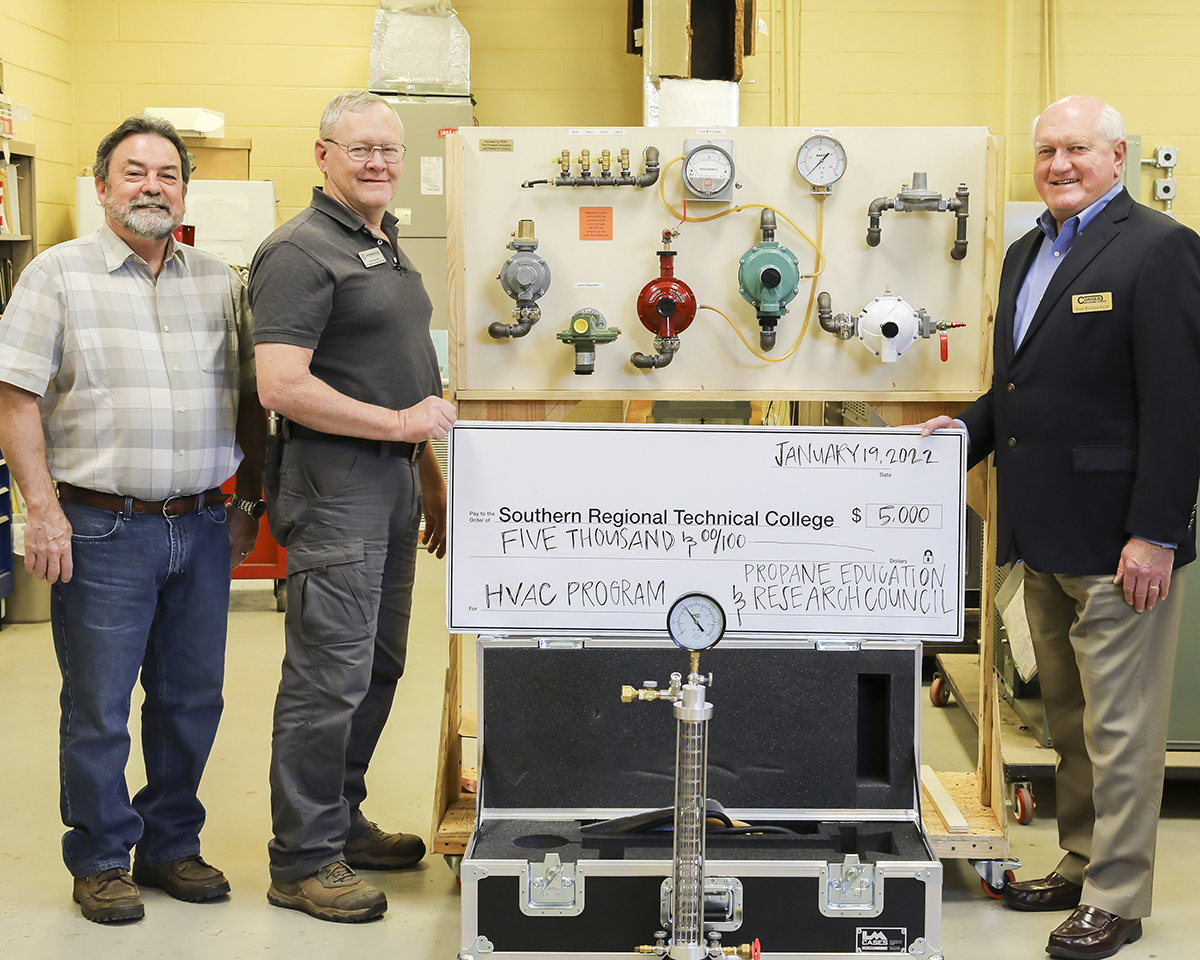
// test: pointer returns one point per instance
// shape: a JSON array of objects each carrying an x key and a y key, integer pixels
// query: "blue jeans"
[{"x": 149, "y": 595}]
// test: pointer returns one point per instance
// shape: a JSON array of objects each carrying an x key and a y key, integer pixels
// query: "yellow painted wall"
[
  {"x": 35, "y": 45},
  {"x": 270, "y": 65},
  {"x": 915, "y": 62}
]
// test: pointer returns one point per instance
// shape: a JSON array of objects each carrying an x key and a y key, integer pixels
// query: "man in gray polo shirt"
[{"x": 344, "y": 354}]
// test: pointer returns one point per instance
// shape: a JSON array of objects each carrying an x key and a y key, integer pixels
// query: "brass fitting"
[
  {"x": 629, "y": 694},
  {"x": 585, "y": 161},
  {"x": 564, "y": 161},
  {"x": 605, "y": 159}
]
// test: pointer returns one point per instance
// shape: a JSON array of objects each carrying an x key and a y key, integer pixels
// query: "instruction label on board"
[
  {"x": 596, "y": 529},
  {"x": 595, "y": 223}
]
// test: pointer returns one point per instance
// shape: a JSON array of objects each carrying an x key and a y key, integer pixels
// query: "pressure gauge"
[
  {"x": 696, "y": 621},
  {"x": 708, "y": 170},
  {"x": 821, "y": 161}
]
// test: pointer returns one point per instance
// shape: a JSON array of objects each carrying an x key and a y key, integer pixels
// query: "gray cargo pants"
[{"x": 349, "y": 518}]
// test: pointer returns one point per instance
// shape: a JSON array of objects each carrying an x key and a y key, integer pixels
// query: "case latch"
[
  {"x": 552, "y": 888},
  {"x": 560, "y": 643},
  {"x": 850, "y": 889},
  {"x": 722, "y": 903}
]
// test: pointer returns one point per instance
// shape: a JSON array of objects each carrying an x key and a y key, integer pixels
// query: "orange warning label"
[{"x": 595, "y": 223}]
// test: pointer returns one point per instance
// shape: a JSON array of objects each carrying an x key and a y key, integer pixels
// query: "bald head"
[{"x": 1079, "y": 150}]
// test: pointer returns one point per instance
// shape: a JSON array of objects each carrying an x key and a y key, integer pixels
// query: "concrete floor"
[{"x": 39, "y": 920}]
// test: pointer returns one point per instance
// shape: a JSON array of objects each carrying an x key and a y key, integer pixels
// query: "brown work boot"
[
  {"x": 109, "y": 895},
  {"x": 188, "y": 878},
  {"x": 332, "y": 893},
  {"x": 375, "y": 850}
]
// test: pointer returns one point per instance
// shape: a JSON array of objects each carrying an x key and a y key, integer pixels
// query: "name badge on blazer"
[
  {"x": 372, "y": 257},
  {"x": 1091, "y": 302}
]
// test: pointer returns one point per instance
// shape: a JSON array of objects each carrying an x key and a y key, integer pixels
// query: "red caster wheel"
[
  {"x": 939, "y": 691},
  {"x": 1023, "y": 805},
  {"x": 997, "y": 893}
]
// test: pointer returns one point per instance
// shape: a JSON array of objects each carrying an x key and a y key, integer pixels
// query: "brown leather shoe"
[
  {"x": 376, "y": 850},
  {"x": 109, "y": 895},
  {"x": 188, "y": 878},
  {"x": 1092, "y": 934},
  {"x": 1052, "y": 892},
  {"x": 332, "y": 893}
]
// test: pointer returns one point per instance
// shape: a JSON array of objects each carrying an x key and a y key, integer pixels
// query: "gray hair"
[
  {"x": 1109, "y": 126},
  {"x": 136, "y": 126},
  {"x": 355, "y": 101}
]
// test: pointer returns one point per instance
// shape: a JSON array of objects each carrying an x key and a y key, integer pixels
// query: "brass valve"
[
  {"x": 743, "y": 951},
  {"x": 629, "y": 694},
  {"x": 605, "y": 159},
  {"x": 564, "y": 161}
]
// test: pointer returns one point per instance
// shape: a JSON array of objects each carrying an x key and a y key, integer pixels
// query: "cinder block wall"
[{"x": 270, "y": 66}]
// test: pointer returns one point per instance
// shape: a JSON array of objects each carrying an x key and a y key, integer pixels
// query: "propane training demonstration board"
[
  {"x": 596, "y": 529},
  {"x": 599, "y": 246}
]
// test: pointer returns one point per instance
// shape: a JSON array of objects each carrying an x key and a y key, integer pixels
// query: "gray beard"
[{"x": 149, "y": 222}]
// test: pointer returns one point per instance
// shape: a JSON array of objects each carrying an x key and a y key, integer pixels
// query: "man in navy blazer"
[{"x": 1094, "y": 420}]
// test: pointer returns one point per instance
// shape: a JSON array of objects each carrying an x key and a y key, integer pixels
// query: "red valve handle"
[
  {"x": 945, "y": 348},
  {"x": 755, "y": 950}
]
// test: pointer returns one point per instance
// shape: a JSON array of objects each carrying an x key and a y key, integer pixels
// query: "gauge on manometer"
[
  {"x": 708, "y": 171},
  {"x": 696, "y": 621},
  {"x": 821, "y": 161}
]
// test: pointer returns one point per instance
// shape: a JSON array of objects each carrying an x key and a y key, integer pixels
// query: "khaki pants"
[{"x": 1105, "y": 674}]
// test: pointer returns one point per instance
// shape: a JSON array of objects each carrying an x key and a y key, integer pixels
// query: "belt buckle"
[
  {"x": 416, "y": 451},
  {"x": 179, "y": 497}
]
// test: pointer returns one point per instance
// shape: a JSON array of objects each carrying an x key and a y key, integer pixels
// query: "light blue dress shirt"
[{"x": 1055, "y": 246}]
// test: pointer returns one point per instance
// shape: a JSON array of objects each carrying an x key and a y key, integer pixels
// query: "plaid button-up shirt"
[{"x": 139, "y": 377}]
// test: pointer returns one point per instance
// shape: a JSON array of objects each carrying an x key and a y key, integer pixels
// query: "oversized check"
[{"x": 595, "y": 529}]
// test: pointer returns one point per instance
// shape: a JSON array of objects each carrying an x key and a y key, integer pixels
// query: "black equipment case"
[{"x": 813, "y": 743}]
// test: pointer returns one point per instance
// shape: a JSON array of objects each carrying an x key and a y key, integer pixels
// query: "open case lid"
[
  {"x": 596, "y": 529},
  {"x": 794, "y": 727}
]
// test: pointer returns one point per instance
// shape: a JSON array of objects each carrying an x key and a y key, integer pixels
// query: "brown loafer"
[
  {"x": 188, "y": 878},
  {"x": 1052, "y": 892},
  {"x": 109, "y": 895},
  {"x": 1092, "y": 934}
]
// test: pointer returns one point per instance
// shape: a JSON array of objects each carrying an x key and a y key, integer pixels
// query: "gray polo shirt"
[{"x": 323, "y": 281}]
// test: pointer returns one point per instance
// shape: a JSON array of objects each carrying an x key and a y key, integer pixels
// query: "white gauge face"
[
  {"x": 696, "y": 621},
  {"x": 708, "y": 169},
  {"x": 821, "y": 160}
]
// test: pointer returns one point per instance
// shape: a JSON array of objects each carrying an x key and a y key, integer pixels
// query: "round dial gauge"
[
  {"x": 696, "y": 621},
  {"x": 821, "y": 160},
  {"x": 708, "y": 169}
]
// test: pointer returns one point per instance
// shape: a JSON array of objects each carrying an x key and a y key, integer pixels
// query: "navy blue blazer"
[{"x": 1095, "y": 420}]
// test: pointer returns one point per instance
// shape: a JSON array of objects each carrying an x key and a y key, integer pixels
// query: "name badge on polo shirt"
[
  {"x": 372, "y": 257},
  {"x": 1085, "y": 302}
]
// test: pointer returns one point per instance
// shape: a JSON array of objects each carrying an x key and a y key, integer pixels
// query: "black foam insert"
[
  {"x": 792, "y": 728},
  {"x": 825, "y": 841}
]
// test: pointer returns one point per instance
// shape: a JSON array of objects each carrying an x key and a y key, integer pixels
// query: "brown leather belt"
[{"x": 171, "y": 507}]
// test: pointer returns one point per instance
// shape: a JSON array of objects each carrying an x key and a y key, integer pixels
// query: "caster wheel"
[
  {"x": 454, "y": 862},
  {"x": 1023, "y": 805},
  {"x": 939, "y": 691},
  {"x": 997, "y": 893},
  {"x": 281, "y": 596}
]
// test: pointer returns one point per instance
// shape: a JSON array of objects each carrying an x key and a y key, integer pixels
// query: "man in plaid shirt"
[{"x": 126, "y": 387}]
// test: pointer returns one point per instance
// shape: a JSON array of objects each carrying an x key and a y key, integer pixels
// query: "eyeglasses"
[{"x": 361, "y": 152}]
